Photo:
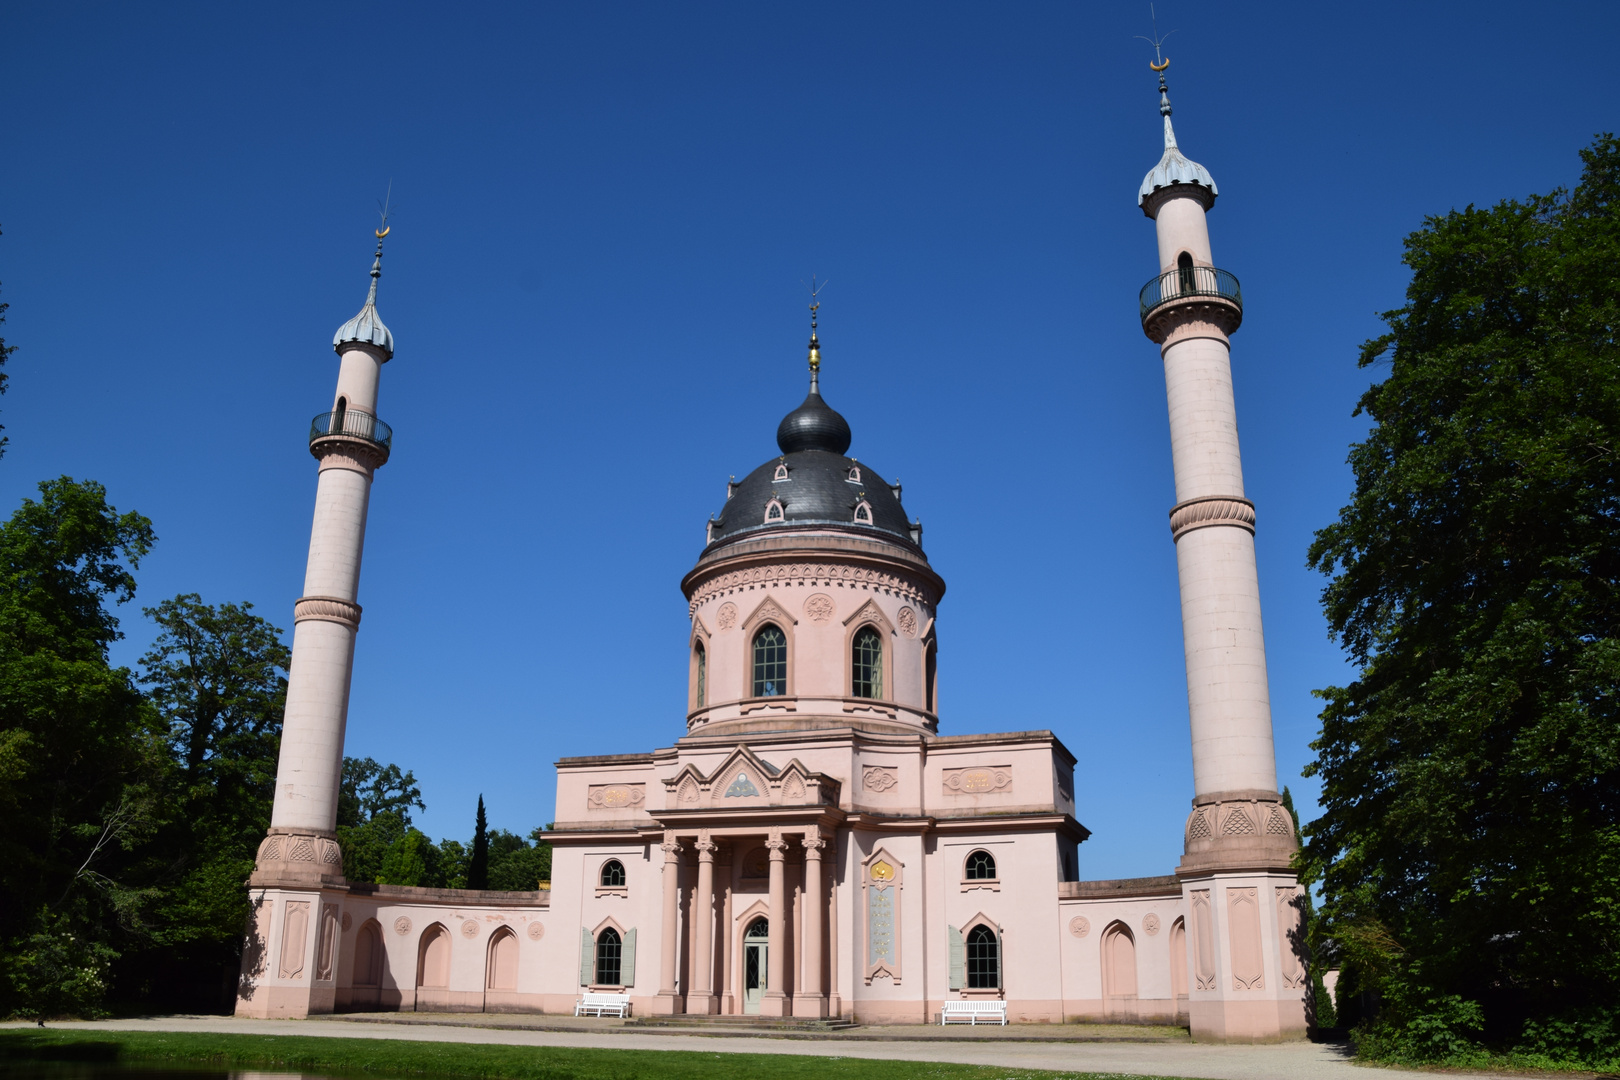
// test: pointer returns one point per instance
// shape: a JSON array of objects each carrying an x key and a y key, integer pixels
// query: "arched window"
[
  {"x": 759, "y": 929},
  {"x": 981, "y": 866},
  {"x": 339, "y": 414},
  {"x": 773, "y": 510},
  {"x": 609, "y": 951},
  {"x": 770, "y": 662},
  {"x": 854, "y": 476},
  {"x": 930, "y": 675},
  {"x": 1184, "y": 266},
  {"x": 863, "y": 512},
  {"x": 613, "y": 874},
  {"x": 700, "y": 660},
  {"x": 867, "y": 667},
  {"x": 781, "y": 473},
  {"x": 983, "y": 959}
]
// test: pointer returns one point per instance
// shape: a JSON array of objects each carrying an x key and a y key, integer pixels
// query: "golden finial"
[{"x": 815, "y": 344}]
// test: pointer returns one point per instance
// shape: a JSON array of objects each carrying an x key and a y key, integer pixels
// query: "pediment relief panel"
[{"x": 746, "y": 780}]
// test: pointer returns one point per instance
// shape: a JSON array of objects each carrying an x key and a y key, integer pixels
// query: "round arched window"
[
  {"x": 981, "y": 866},
  {"x": 613, "y": 874}
]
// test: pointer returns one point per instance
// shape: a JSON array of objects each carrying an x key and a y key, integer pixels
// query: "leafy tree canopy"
[{"x": 1469, "y": 849}]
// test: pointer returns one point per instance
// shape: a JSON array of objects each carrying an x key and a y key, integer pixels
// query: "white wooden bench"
[
  {"x": 602, "y": 1005},
  {"x": 971, "y": 1012}
]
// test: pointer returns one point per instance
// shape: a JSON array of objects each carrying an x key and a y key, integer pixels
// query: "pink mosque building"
[{"x": 814, "y": 845}]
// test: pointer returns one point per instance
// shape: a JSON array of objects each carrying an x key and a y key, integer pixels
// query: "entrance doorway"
[{"x": 756, "y": 963}]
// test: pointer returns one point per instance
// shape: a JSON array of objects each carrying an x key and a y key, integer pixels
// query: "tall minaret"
[
  {"x": 290, "y": 962},
  {"x": 1246, "y": 977}
]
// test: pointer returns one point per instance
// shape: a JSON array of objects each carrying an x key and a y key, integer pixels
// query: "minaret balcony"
[
  {"x": 1199, "y": 291},
  {"x": 351, "y": 424}
]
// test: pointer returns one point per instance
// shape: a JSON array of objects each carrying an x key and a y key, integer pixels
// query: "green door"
[{"x": 756, "y": 963}]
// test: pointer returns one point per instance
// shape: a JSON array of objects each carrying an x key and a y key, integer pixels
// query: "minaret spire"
[{"x": 815, "y": 344}]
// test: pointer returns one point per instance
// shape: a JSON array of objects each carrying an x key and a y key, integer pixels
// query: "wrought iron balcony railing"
[
  {"x": 1188, "y": 281},
  {"x": 352, "y": 423}
]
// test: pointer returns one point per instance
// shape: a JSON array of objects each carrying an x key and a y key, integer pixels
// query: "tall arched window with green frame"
[
  {"x": 770, "y": 661},
  {"x": 867, "y": 663}
]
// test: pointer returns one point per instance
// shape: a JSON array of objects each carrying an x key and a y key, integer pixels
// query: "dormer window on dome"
[
  {"x": 863, "y": 512},
  {"x": 854, "y": 476},
  {"x": 773, "y": 511},
  {"x": 781, "y": 472}
]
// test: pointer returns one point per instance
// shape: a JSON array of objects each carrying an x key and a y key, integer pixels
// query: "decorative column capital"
[
  {"x": 776, "y": 845},
  {"x": 705, "y": 847},
  {"x": 813, "y": 843},
  {"x": 672, "y": 847}
]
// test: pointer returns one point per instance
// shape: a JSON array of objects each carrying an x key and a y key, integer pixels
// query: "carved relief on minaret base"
[
  {"x": 297, "y": 857},
  {"x": 1232, "y": 830}
]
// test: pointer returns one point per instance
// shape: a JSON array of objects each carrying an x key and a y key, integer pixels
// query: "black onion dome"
[
  {"x": 820, "y": 488},
  {"x": 814, "y": 425}
]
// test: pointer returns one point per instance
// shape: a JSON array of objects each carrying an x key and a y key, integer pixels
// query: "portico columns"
[
  {"x": 668, "y": 999},
  {"x": 816, "y": 1005},
  {"x": 700, "y": 998},
  {"x": 775, "y": 1001}
]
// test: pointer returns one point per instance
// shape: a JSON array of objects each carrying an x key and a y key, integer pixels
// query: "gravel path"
[{"x": 1290, "y": 1061}]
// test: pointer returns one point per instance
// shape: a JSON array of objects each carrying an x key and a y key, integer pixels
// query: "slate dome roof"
[{"x": 814, "y": 483}]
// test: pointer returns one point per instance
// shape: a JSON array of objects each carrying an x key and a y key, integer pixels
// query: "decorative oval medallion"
[
  {"x": 1079, "y": 926},
  {"x": 908, "y": 622},
  {"x": 402, "y": 925},
  {"x": 348, "y": 921},
  {"x": 469, "y": 928},
  {"x": 536, "y": 931},
  {"x": 726, "y": 616},
  {"x": 1150, "y": 924}
]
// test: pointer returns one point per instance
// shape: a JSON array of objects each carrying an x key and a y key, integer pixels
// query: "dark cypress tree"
[{"x": 478, "y": 865}]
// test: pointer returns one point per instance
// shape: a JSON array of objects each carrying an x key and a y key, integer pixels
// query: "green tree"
[
  {"x": 82, "y": 765},
  {"x": 217, "y": 676},
  {"x": 515, "y": 865},
  {"x": 1469, "y": 848},
  {"x": 478, "y": 863}
]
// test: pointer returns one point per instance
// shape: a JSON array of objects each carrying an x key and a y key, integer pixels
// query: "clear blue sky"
[{"x": 605, "y": 214}]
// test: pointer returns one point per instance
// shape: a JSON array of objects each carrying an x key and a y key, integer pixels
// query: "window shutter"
[
  {"x": 958, "y": 955},
  {"x": 1001, "y": 961},
  {"x": 587, "y": 957},
  {"x": 627, "y": 960}
]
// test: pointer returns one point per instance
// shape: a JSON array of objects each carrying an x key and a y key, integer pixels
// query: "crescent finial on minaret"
[{"x": 1161, "y": 65}]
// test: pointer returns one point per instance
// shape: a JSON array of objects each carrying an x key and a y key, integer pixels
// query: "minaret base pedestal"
[
  {"x": 289, "y": 960},
  {"x": 1245, "y": 925}
]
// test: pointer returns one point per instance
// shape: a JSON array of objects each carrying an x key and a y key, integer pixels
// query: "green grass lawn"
[{"x": 392, "y": 1058}]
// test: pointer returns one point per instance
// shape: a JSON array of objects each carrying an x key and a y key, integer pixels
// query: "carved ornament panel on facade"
[
  {"x": 819, "y": 608},
  {"x": 979, "y": 780},
  {"x": 1079, "y": 926},
  {"x": 726, "y": 617},
  {"x": 616, "y": 796},
  {"x": 907, "y": 621},
  {"x": 879, "y": 778}
]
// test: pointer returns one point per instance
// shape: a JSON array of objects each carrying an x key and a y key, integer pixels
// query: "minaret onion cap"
[
  {"x": 367, "y": 327},
  {"x": 1174, "y": 167}
]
